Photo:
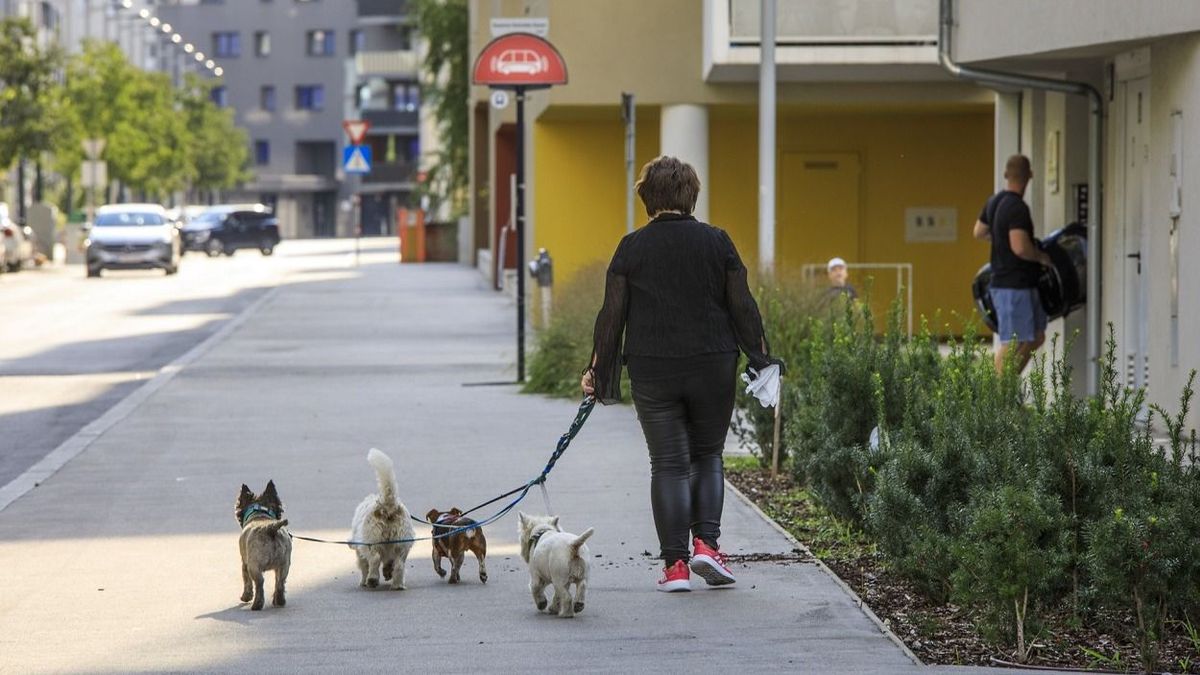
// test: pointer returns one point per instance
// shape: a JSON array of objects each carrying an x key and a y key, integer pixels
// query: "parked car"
[
  {"x": 227, "y": 228},
  {"x": 16, "y": 243},
  {"x": 132, "y": 236}
]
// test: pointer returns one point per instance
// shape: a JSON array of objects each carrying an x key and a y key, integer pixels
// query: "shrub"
[{"x": 564, "y": 347}]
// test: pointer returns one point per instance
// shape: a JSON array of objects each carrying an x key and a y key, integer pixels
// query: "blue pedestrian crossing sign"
[{"x": 357, "y": 159}]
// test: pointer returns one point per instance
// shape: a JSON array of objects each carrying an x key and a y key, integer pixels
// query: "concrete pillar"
[
  {"x": 684, "y": 134},
  {"x": 1007, "y": 132}
]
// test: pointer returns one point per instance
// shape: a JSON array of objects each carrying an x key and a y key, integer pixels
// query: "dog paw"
[
  {"x": 440, "y": 572},
  {"x": 247, "y": 597},
  {"x": 453, "y": 579},
  {"x": 483, "y": 577},
  {"x": 541, "y": 605},
  {"x": 258, "y": 604},
  {"x": 578, "y": 607},
  {"x": 279, "y": 600},
  {"x": 401, "y": 587},
  {"x": 372, "y": 582}
]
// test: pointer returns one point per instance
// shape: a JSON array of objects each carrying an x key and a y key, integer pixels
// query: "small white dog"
[
  {"x": 382, "y": 517},
  {"x": 555, "y": 558}
]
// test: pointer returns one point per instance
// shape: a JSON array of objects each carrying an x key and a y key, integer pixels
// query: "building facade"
[
  {"x": 873, "y": 140},
  {"x": 1144, "y": 59}
]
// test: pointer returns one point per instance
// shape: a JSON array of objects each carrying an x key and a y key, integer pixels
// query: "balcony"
[
  {"x": 825, "y": 40},
  {"x": 374, "y": 10},
  {"x": 391, "y": 120},
  {"x": 392, "y": 64},
  {"x": 399, "y": 172}
]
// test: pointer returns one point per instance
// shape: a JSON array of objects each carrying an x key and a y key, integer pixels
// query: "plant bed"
[{"x": 943, "y": 633}]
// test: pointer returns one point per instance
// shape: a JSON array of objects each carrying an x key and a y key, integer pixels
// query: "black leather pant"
[{"x": 684, "y": 406}]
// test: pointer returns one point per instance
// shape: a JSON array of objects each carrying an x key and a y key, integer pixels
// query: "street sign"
[
  {"x": 93, "y": 147},
  {"x": 499, "y": 99},
  {"x": 519, "y": 60},
  {"x": 357, "y": 159},
  {"x": 94, "y": 173},
  {"x": 539, "y": 26},
  {"x": 356, "y": 130}
]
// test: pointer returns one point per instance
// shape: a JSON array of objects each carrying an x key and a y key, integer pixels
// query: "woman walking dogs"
[{"x": 677, "y": 293}]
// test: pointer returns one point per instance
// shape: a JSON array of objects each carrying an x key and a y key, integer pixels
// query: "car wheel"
[
  {"x": 93, "y": 271},
  {"x": 14, "y": 267},
  {"x": 267, "y": 247},
  {"x": 229, "y": 251},
  {"x": 214, "y": 248},
  {"x": 171, "y": 269}
]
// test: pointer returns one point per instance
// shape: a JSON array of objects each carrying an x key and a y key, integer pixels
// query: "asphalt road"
[{"x": 72, "y": 347}]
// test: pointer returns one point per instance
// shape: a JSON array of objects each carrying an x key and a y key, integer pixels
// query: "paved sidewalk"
[{"x": 126, "y": 559}]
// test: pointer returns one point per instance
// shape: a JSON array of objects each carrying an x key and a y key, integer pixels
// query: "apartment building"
[
  {"x": 1143, "y": 58},
  {"x": 874, "y": 139}
]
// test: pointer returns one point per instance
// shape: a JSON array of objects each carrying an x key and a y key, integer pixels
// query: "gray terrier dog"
[{"x": 264, "y": 544}]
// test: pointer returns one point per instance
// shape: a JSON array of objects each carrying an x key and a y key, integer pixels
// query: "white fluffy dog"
[
  {"x": 555, "y": 558},
  {"x": 382, "y": 517}
]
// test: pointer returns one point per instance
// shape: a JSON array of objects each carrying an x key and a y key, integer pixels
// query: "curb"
[
  {"x": 883, "y": 628},
  {"x": 82, "y": 439}
]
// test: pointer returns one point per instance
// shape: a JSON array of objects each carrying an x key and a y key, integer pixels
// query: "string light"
[{"x": 175, "y": 38}]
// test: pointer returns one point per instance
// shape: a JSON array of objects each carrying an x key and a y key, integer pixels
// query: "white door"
[{"x": 1132, "y": 337}]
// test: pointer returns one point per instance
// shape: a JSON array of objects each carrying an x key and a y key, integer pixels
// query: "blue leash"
[{"x": 585, "y": 409}]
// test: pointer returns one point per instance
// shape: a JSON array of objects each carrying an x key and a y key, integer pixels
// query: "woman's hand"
[{"x": 588, "y": 383}]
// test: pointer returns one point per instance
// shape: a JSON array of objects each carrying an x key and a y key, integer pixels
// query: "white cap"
[{"x": 835, "y": 262}]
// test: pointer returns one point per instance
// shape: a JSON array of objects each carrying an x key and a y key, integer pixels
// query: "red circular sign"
[{"x": 519, "y": 60}]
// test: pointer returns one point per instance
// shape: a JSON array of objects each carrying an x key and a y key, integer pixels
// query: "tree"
[
  {"x": 30, "y": 121},
  {"x": 136, "y": 113},
  {"x": 219, "y": 148},
  {"x": 446, "y": 87}
]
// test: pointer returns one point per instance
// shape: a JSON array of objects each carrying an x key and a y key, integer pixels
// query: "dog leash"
[{"x": 581, "y": 416}]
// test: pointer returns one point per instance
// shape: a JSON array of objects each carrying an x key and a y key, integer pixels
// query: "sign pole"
[{"x": 520, "y": 95}]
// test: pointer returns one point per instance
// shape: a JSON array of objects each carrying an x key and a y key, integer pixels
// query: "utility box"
[{"x": 42, "y": 218}]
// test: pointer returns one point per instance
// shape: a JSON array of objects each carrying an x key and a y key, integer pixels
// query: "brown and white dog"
[
  {"x": 264, "y": 544},
  {"x": 455, "y": 546}
]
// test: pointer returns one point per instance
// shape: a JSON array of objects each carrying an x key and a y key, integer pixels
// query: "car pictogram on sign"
[{"x": 525, "y": 61}]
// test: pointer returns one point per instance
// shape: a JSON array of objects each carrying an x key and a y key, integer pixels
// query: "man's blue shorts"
[{"x": 1018, "y": 312}]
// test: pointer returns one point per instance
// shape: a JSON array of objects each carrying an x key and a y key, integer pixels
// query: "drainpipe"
[{"x": 1002, "y": 79}]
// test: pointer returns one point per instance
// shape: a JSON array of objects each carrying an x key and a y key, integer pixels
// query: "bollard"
[{"x": 542, "y": 270}]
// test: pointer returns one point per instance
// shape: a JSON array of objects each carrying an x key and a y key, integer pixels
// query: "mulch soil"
[{"x": 945, "y": 634}]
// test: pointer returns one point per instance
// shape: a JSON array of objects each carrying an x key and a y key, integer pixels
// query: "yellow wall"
[
  {"x": 580, "y": 186},
  {"x": 908, "y": 158}
]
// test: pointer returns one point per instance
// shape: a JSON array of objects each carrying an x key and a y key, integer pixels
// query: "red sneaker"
[
  {"x": 675, "y": 578},
  {"x": 709, "y": 564}
]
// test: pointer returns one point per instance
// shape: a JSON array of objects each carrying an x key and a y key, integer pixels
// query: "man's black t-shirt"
[{"x": 1004, "y": 212}]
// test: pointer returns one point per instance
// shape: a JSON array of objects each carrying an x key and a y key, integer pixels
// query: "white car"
[
  {"x": 132, "y": 236},
  {"x": 16, "y": 243}
]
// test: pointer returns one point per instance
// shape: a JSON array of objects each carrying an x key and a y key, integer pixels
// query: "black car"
[{"x": 216, "y": 232}]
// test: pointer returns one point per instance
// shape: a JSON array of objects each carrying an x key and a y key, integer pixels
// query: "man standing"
[
  {"x": 836, "y": 269},
  {"x": 1016, "y": 265}
]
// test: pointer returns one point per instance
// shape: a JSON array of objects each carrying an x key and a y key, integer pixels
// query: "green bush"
[
  {"x": 564, "y": 347},
  {"x": 1009, "y": 495}
]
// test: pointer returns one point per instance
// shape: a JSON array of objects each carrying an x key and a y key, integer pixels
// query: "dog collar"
[{"x": 257, "y": 509}]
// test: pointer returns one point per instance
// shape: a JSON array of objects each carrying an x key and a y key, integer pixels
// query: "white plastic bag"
[{"x": 764, "y": 385}]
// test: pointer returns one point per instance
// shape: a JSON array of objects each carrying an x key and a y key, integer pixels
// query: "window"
[
  {"x": 310, "y": 97},
  {"x": 262, "y": 153},
  {"x": 406, "y": 96},
  {"x": 219, "y": 96},
  {"x": 266, "y": 98},
  {"x": 320, "y": 43},
  {"x": 227, "y": 45},
  {"x": 358, "y": 42},
  {"x": 404, "y": 35},
  {"x": 262, "y": 43}
]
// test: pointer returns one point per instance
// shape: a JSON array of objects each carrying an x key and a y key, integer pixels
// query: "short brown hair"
[
  {"x": 1017, "y": 168},
  {"x": 668, "y": 184}
]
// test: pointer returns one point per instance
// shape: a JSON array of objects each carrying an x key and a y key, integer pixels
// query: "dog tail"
[
  {"x": 274, "y": 527},
  {"x": 386, "y": 474},
  {"x": 587, "y": 534}
]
